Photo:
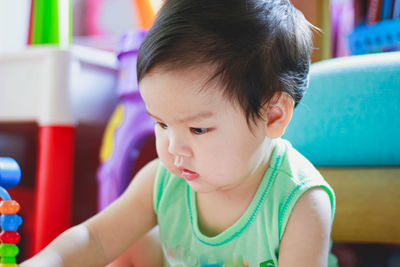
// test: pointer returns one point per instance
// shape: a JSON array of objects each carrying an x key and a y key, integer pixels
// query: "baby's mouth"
[{"x": 188, "y": 174}]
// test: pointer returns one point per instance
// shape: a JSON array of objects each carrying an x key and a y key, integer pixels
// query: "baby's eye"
[
  {"x": 199, "y": 131},
  {"x": 162, "y": 125}
]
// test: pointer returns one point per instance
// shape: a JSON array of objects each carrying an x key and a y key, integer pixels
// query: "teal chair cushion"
[{"x": 350, "y": 115}]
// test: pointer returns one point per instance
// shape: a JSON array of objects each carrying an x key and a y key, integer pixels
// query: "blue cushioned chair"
[{"x": 348, "y": 125}]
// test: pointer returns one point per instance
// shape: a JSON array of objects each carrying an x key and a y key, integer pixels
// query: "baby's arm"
[
  {"x": 105, "y": 236},
  {"x": 307, "y": 234}
]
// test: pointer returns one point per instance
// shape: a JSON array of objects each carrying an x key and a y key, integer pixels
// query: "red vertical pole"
[
  {"x": 54, "y": 183},
  {"x": 29, "y": 39}
]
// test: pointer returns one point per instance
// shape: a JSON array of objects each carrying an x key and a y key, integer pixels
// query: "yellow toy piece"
[{"x": 108, "y": 139}]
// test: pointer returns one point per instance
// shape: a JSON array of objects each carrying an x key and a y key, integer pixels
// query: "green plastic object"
[
  {"x": 8, "y": 250},
  {"x": 8, "y": 260},
  {"x": 52, "y": 22}
]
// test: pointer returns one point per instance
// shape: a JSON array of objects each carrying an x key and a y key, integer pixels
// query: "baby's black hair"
[{"x": 258, "y": 47}]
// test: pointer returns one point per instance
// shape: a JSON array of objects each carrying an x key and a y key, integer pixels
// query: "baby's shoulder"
[
  {"x": 291, "y": 169},
  {"x": 291, "y": 176}
]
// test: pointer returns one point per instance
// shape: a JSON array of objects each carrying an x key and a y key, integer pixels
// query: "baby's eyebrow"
[
  {"x": 198, "y": 116},
  {"x": 153, "y": 116}
]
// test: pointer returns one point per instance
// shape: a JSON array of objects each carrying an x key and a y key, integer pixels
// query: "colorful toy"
[
  {"x": 145, "y": 13},
  {"x": 97, "y": 11},
  {"x": 10, "y": 174},
  {"x": 128, "y": 128},
  {"x": 50, "y": 23},
  {"x": 130, "y": 125}
]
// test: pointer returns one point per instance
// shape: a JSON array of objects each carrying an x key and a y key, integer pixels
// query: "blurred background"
[{"x": 101, "y": 32}]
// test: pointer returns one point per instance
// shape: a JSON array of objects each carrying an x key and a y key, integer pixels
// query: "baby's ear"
[{"x": 277, "y": 114}]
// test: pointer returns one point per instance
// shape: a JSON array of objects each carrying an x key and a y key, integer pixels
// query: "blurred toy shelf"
[
  {"x": 377, "y": 27},
  {"x": 383, "y": 36},
  {"x": 352, "y": 27}
]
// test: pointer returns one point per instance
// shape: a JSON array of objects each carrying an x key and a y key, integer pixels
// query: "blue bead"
[
  {"x": 10, "y": 222},
  {"x": 10, "y": 172}
]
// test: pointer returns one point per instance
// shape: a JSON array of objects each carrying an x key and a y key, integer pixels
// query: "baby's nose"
[{"x": 178, "y": 147}]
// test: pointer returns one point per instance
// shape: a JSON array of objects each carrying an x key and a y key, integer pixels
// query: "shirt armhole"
[
  {"x": 159, "y": 186},
  {"x": 292, "y": 199}
]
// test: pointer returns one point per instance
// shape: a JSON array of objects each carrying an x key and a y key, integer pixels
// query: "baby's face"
[{"x": 200, "y": 136}]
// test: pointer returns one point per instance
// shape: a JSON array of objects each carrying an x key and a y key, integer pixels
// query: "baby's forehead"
[{"x": 200, "y": 79}]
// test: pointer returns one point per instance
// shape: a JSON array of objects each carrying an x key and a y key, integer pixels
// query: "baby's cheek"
[
  {"x": 163, "y": 154},
  {"x": 161, "y": 146}
]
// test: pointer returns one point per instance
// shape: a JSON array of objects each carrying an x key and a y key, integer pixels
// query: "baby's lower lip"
[{"x": 189, "y": 175}]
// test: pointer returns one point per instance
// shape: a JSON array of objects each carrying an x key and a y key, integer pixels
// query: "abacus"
[{"x": 10, "y": 174}]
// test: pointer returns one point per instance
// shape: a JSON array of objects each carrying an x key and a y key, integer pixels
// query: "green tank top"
[{"x": 254, "y": 239}]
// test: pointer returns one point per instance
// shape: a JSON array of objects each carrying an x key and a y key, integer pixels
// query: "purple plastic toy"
[{"x": 135, "y": 128}]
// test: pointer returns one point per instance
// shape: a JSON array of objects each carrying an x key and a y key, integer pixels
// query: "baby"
[{"x": 220, "y": 78}]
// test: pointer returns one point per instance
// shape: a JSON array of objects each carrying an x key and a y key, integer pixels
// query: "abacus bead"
[
  {"x": 9, "y": 237},
  {"x": 10, "y": 222},
  {"x": 8, "y": 250},
  {"x": 9, "y": 207}
]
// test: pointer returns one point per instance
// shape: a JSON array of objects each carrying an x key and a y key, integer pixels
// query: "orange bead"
[{"x": 9, "y": 207}]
